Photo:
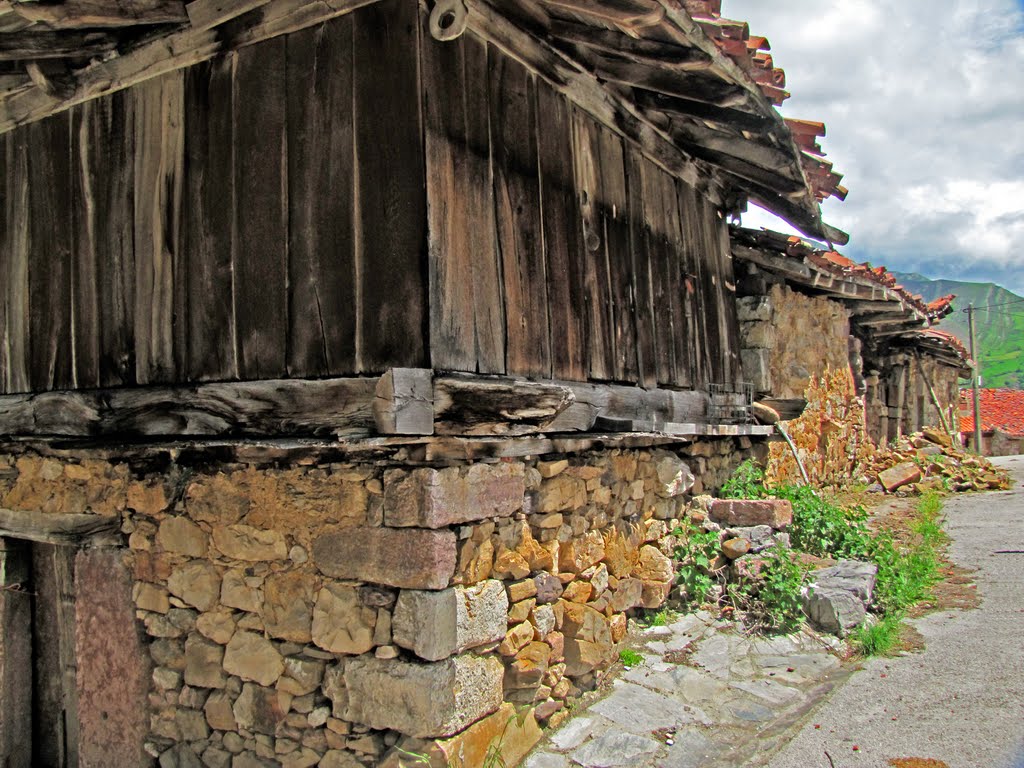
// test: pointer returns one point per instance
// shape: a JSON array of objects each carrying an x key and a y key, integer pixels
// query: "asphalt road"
[{"x": 961, "y": 700}]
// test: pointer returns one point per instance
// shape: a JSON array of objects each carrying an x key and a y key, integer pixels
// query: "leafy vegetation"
[
  {"x": 695, "y": 557},
  {"x": 821, "y": 526},
  {"x": 630, "y": 658},
  {"x": 772, "y": 602}
]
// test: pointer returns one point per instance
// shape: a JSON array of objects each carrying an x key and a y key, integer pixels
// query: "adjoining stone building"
[
  {"x": 357, "y": 359},
  {"x": 847, "y": 341}
]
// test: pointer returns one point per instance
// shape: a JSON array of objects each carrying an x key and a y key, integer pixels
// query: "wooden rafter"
[
  {"x": 90, "y": 14},
  {"x": 32, "y": 45}
]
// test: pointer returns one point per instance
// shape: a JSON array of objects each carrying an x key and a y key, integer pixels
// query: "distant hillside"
[{"x": 999, "y": 329}]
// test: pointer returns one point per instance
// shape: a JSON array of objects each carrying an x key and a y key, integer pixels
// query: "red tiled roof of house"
[{"x": 1001, "y": 409}]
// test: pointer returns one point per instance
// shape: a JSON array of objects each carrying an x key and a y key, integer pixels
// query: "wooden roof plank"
[{"x": 86, "y": 14}]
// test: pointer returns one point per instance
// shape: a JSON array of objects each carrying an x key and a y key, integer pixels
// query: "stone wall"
[
  {"x": 898, "y": 400},
  {"x": 790, "y": 339},
  {"x": 319, "y": 612}
]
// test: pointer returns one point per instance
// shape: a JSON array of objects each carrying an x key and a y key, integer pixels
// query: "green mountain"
[{"x": 999, "y": 324}]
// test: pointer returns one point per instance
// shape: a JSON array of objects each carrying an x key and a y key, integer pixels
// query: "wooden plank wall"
[
  {"x": 260, "y": 215},
  {"x": 556, "y": 248},
  {"x": 344, "y": 199}
]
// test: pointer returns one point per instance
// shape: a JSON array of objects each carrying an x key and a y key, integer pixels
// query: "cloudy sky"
[{"x": 924, "y": 107}]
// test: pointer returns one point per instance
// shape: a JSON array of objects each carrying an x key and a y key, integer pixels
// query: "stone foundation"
[{"x": 315, "y": 612}]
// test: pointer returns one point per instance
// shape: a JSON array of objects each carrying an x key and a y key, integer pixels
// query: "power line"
[{"x": 989, "y": 306}]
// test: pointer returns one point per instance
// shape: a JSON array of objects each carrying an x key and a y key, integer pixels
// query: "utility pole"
[{"x": 976, "y": 380}]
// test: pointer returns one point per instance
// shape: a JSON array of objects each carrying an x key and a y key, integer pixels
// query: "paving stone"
[
  {"x": 638, "y": 709},
  {"x": 614, "y": 749},
  {"x": 573, "y": 733},
  {"x": 546, "y": 760},
  {"x": 691, "y": 748},
  {"x": 770, "y": 691}
]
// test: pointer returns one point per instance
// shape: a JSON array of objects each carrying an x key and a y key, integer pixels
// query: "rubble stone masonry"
[{"x": 319, "y": 613}]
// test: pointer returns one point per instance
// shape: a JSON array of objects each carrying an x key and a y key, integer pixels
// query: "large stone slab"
[
  {"x": 512, "y": 733},
  {"x": 408, "y": 558},
  {"x": 777, "y": 513},
  {"x": 838, "y": 597},
  {"x": 900, "y": 475},
  {"x": 436, "y": 625},
  {"x": 423, "y": 700},
  {"x": 437, "y": 498}
]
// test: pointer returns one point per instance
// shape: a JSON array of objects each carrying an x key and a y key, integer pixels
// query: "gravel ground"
[{"x": 961, "y": 700}]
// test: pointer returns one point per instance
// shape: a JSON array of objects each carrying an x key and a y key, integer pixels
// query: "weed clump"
[{"x": 823, "y": 527}]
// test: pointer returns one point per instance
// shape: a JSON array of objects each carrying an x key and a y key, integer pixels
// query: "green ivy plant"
[{"x": 695, "y": 557}]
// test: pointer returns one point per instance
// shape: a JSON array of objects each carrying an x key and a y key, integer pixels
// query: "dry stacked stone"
[{"x": 320, "y": 613}]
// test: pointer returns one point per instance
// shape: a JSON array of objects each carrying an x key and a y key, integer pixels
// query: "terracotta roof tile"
[{"x": 1001, "y": 409}]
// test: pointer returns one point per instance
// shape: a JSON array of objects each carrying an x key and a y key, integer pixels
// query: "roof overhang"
[{"x": 691, "y": 87}]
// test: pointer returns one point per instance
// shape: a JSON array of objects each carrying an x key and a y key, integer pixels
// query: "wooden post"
[
  {"x": 15, "y": 653},
  {"x": 975, "y": 381}
]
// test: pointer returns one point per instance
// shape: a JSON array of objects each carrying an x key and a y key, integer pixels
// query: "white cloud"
[{"x": 924, "y": 104}]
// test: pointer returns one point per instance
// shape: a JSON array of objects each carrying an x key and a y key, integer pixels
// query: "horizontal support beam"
[
  {"x": 64, "y": 529},
  {"x": 402, "y": 401},
  {"x": 254, "y": 409},
  {"x": 675, "y": 106}
]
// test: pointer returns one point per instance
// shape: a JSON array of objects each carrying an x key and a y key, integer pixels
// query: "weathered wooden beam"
[
  {"x": 86, "y": 14},
  {"x": 649, "y": 52},
  {"x": 623, "y": 407},
  {"x": 65, "y": 529},
  {"x": 674, "y": 106},
  {"x": 280, "y": 407},
  {"x": 28, "y": 45},
  {"x": 167, "y": 54},
  {"x": 404, "y": 402},
  {"x": 629, "y": 13},
  {"x": 207, "y": 14},
  {"x": 696, "y": 87},
  {"x": 744, "y": 160},
  {"x": 500, "y": 406}
]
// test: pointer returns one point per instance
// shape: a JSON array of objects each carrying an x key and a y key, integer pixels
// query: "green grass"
[
  {"x": 879, "y": 638},
  {"x": 630, "y": 658}
]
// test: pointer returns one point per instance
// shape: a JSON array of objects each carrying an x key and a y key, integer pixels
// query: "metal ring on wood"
[{"x": 448, "y": 19}]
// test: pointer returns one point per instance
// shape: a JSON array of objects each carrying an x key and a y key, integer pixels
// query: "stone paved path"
[{"x": 706, "y": 695}]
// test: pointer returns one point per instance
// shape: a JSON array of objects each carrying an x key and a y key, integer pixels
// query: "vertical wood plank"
[
  {"x": 643, "y": 288},
  {"x": 731, "y": 330},
  {"x": 393, "y": 325},
  {"x": 260, "y": 254},
  {"x": 488, "y": 293},
  {"x": 695, "y": 257},
  {"x": 104, "y": 283},
  {"x": 16, "y": 238},
  {"x": 159, "y": 157},
  {"x": 689, "y": 285},
  {"x": 15, "y": 650},
  {"x": 64, "y": 579},
  {"x": 586, "y": 154},
  {"x": 84, "y": 278},
  {"x": 48, "y": 704},
  {"x": 6, "y": 158},
  {"x": 563, "y": 244},
  {"x": 207, "y": 223},
  {"x": 467, "y": 323},
  {"x": 614, "y": 207},
  {"x": 657, "y": 245},
  {"x": 321, "y": 253},
  {"x": 682, "y": 333},
  {"x": 49, "y": 268},
  {"x": 513, "y": 109},
  {"x": 450, "y": 254}
]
